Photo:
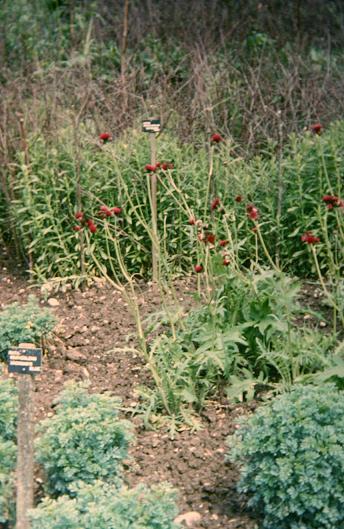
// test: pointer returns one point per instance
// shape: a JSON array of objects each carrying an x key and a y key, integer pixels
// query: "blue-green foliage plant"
[
  {"x": 24, "y": 323},
  {"x": 291, "y": 457},
  {"x": 8, "y": 420},
  {"x": 84, "y": 441},
  {"x": 8, "y": 410},
  {"x": 101, "y": 505}
]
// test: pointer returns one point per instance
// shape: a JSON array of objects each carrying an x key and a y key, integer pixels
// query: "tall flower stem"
[
  {"x": 324, "y": 287},
  {"x": 268, "y": 256},
  {"x": 210, "y": 175}
]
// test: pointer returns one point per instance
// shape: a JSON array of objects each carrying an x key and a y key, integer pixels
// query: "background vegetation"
[{"x": 72, "y": 70}]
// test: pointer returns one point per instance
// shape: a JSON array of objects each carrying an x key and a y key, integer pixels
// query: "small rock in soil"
[
  {"x": 190, "y": 518},
  {"x": 76, "y": 356},
  {"x": 53, "y": 302}
]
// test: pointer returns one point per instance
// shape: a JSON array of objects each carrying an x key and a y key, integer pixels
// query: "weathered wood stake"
[
  {"x": 155, "y": 250},
  {"x": 25, "y": 456}
]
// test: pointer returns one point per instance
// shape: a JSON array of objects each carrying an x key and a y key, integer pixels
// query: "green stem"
[
  {"x": 274, "y": 266},
  {"x": 326, "y": 292}
]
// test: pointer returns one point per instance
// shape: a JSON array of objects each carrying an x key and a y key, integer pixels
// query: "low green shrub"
[
  {"x": 8, "y": 410},
  {"x": 84, "y": 441},
  {"x": 103, "y": 506},
  {"x": 291, "y": 454},
  {"x": 8, "y": 419},
  {"x": 8, "y": 454},
  {"x": 23, "y": 323}
]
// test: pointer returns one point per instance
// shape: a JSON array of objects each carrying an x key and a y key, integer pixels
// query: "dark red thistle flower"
[
  {"x": 238, "y": 198},
  {"x": 91, "y": 226},
  {"x": 116, "y": 210},
  {"x": 316, "y": 128},
  {"x": 328, "y": 198},
  {"x": 216, "y": 138},
  {"x": 309, "y": 238},
  {"x": 167, "y": 165},
  {"x": 252, "y": 212},
  {"x": 210, "y": 237},
  {"x": 192, "y": 221},
  {"x": 198, "y": 268},
  {"x": 150, "y": 168},
  {"x": 105, "y": 211},
  {"x": 226, "y": 261},
  {"x": 157, "y": 165},
  {"x": 215, "y": 203},
  {"x": 333, "y": 201},
  {"x": 77, "y": 228},
  {"x": 223, "y": 243},
  {"x": 105, "y": 137},
  {"x": 79, "y": 215}
]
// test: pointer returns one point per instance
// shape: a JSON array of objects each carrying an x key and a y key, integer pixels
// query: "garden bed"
[{"x": 91, "y": 324}]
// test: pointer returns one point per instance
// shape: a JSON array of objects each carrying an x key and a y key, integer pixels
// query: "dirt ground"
[{"x": 92, "y": 337}]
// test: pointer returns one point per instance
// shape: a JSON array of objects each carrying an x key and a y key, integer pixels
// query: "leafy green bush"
[
  {"x": 84, "y": 441},
  {"x": 23, "y": 323},
  {"x": 104, "y": 506},
  {"x": 8, "y": 453},
  {"x": 291, "y": 454},
  {"x": 8, "y": 410},
  {"x": 8, "y": 419},
  {"x": 244, "y": 338}
]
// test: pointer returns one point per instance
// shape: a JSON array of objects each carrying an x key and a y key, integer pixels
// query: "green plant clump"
[
  {"x": 101, "y": 505},
  {"x": 8, "y": 418},
  {"x": 7, "y": 464},
  {"x": 244, "y": 339},
  {"x": 291, "y": 454},
  {"x": 8, "y": 410},
  {"x": 84, "y": 441},
  {"x": 23, "y": 323}
]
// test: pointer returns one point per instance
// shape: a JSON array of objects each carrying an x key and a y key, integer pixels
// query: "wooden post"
[
  {"x": 25, "y": 456},
  {"x": 152, "y": 126},
  {"x": 155, "y": 249}
]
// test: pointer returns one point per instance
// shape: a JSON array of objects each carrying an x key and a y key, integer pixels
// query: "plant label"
[
  {"x": 151, "y": 125},
  {"x": 24, "y": 361}
]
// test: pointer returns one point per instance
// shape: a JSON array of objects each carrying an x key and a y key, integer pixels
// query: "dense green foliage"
[
  {"x": 291, "y": 454},
  {"x": 38, "y": 31},
  {"x": 84, "y": 441},
  {"x": 8, "y": 419},
  {"x": 287, "y": 191},
  {"x": 242, "y": 339},
  {"x": 8, "y": 410},
  {"x": 24, "y": 323},
  {"x": 103, "y": 505}
]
